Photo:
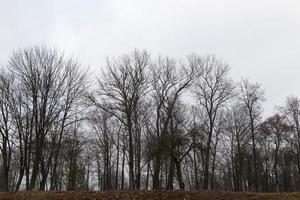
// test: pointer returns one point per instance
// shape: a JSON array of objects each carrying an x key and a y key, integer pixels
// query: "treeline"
[{"x": 145, "y": 123}]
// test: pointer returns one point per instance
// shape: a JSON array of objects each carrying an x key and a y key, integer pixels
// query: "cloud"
[{"x": 258, "y": 38}]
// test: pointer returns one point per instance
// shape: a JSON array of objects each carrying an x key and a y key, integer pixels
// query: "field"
[{"x": 151, "y": 195}]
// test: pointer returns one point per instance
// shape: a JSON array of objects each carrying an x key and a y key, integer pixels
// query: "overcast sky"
[{"x": 258, "y": 38}]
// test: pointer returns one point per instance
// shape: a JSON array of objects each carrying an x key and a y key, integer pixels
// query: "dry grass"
[{"x": 151, "y": 195}]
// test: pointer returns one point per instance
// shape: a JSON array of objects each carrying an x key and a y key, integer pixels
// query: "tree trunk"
[
  {"x": 275, "y": 168},
  {"x": 122, "y": 171},
  {"x": 197, "y": 186},
  {"x": 179, "y": 175},
  {"x": 117, "y": 167},
  {"x": 131, "y": 156},
  {"x": 156, "y": 174},
  {"x": 206, "y": 164},
  {"x": 170, "y": 180},
  {"x": 147, "y": 175},
  {"x": 255, "y": 178}
]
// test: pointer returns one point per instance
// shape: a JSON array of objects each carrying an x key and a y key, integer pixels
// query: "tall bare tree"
[
  {"x": 237, "y": 130},
  {"x": 252, "y": 96},
  {"x": 212, "y": 90},
  {"x": 6, "y": 142},
  {"x": 276, "y": 128},
  {"x": 168, "y": 83},
  {"x": 51, "y": 84},
  {"x": 121, "y": 91}
]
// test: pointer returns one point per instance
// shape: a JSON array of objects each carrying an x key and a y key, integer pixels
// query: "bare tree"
[
  {"x": 276, "y": 128},
  {"x": 73, "y": 148},
  {"x": 172, "y": 124},
  {"x": 6, "y": 141},
  {"x": 71, "y": 105},
  {"x": 237, "y": 131},
  {"x": 168, "y": 83},
  {"x": 291, "y": 111},
  {"x": 51, "y": 85},
  {"x": 102, "y": 126},
  {"x": 252, "y": 96},
  {"x": 212, "y": 90},
  {"x": 121, "y": 91}
]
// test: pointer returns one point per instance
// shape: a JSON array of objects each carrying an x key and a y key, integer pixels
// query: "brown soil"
[{"x": 151, "y": 195}]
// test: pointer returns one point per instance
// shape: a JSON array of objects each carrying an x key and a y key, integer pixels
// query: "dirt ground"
[{"x": 151, "y": 195}]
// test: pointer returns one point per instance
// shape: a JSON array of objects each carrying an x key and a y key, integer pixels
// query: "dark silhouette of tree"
[{"x": 147, "y": 123}]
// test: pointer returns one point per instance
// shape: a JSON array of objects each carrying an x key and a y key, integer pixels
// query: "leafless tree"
[
  {"x": 212, "y": 90},
  {"x": 172, "y": 124},
  {"x": 6, "y": 142},
  {"x": 51, "y": 86},
  {"x": 168, "y": 83},
  {"x": 237, "y": 131},
  {"x": 121, "y": 90},
  {"x": 252, "y": 96},
  {"x": 276, "y": 128}
]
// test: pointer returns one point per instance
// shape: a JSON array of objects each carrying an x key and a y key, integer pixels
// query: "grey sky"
[{"x": 258, "y": 38}]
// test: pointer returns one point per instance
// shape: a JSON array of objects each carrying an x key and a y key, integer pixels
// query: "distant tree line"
[{"x": 144, "y": 123}]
